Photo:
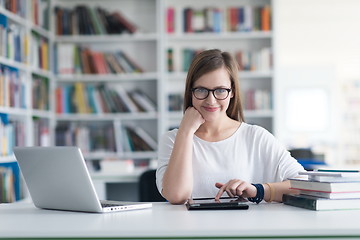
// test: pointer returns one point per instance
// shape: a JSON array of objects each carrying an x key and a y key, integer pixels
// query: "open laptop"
[{"x": 57, "y": 178}]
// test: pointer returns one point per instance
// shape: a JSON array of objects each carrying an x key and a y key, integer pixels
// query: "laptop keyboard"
[{"x": 110, "y": 204}]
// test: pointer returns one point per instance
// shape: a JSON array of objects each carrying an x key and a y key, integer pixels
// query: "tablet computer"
[{"x": 221, "y": 204}]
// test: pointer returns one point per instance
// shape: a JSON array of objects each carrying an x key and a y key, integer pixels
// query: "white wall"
[{"x": 316, "y": 45}]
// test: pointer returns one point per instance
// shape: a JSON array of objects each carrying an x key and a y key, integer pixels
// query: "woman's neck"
[{"x": 216, "y": 131}]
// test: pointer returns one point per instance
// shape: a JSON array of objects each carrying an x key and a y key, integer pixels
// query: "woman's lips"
[{"x": 210, "y": 109}]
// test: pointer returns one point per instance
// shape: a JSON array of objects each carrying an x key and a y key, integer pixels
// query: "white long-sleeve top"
[{"x": 251, "y": 154}]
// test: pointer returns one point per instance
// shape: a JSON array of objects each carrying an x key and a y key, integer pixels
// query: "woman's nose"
[{"x": 211, "y": 98}]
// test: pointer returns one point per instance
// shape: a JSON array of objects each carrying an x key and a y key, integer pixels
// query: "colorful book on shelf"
[
  {"x": 134, "y": 65},
  {"x": 59, "y": 108},
  {"x": 266, "y": 18},
  {"x": 170, "y": 60},
  {"x": 137, "y": 140},
  {"x": 91, "y": 98},
  {"x": 99, "y": 63},
  {"x": 81, "y": 98},
  {"x": 90, "y": 137},
  {"x": 142, "y": 100},
  {"x": 44, "y": 53},
  {"x": 128, "y": 26},
  {"x": 10, "y": 184},
  {"x": 113, "y": 63},
  {"x": 98, "y": 25},
  {"x": 103, "y": 19},
  {"x": 88, "y": 21},
  {"x": 87, "y": 66},
  {"x": 187, "y": 16},
  {"x": 12, "y": 133},
  {"x": 106, "y": 101},
  {"x": 40, "y": 92},
  {"x": 303, "y": 184},
  {"x": 40, "y": 13},
  {"x": 144, "y": 136},
  {"x": 124, "y": 144},
  {"x": 85, "y": 20},
  {"x": 217, "y": 16},
  {"x": 318, "y": 203},
  {"x": 119, "y": 103},
  {"x": 170, "y": 23},
  {"x": 125, "y": 98},
  {"x": 58, "y": 17},
  {"x": 41, "y": 132},
  {"x": 98, "y": 100},
  {"x": 12, "y": 88}
]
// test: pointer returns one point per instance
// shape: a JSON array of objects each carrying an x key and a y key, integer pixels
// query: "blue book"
[
  {"x": 241, "y": 19},
  {"x": 91, "y": 100},
  {"x": 16, "y": 172},
  {"x": 4, "y": 118},
  {"x": 217, "y": 20},
  {"x": 3, "y": 21}
]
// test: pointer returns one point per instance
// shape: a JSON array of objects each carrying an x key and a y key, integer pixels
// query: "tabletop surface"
[{"x": 164, "y": 220}]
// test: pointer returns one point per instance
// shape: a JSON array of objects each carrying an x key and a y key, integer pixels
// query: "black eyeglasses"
[{"x": 201, "y": 93}]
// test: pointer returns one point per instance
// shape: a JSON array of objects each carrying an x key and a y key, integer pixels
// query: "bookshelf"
[
  {"x": 26, "y": 82},
  {"x": 128, "y": 87},
  {"x": 189, "y": 30},
  {"x": 62, "y": 68}
]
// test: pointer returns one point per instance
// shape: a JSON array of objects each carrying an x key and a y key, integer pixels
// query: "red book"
[
  {"x": 36, "y": 12},
  {"x": 170, "y": 20},
  {"x": 99, "y": 63},
  {"x": 58, "y": 96},
  {"x": 188, "y": 14},
  {"x": 123, "y": 21},
  {"x": 104, "y": 67},
  {"x": 234, "y": 19}
]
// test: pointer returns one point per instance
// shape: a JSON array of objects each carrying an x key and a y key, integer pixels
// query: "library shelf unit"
[
  {"x": 26, "y": 81},
  {"x": 181, "y": 36},
  {"x": 68, "y": 120},
  {"x": 142, "y": 47}
]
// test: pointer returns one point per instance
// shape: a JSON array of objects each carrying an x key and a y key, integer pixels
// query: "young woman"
[{"x": 214, "y": 152}]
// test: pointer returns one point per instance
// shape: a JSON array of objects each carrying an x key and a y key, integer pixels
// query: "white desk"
[{"x": 23, "y": 220}]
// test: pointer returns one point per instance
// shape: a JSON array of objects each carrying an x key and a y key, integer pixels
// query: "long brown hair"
[{"x": 208, "y": 61}]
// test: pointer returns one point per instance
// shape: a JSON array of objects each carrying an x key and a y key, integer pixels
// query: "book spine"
[
  {"x": 170, "y": 15},
  {"x": 85, "y": 20},
  {"x": 299, "y": 202}
]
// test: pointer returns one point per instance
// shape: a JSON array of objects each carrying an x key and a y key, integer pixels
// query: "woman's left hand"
[{"x": 236, "y": 187}]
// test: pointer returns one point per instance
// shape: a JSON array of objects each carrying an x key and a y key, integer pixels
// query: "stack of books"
[{"x": 326, "y": 190}]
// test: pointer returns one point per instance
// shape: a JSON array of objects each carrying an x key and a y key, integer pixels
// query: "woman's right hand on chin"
[{"x": 191, "y": 120}]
